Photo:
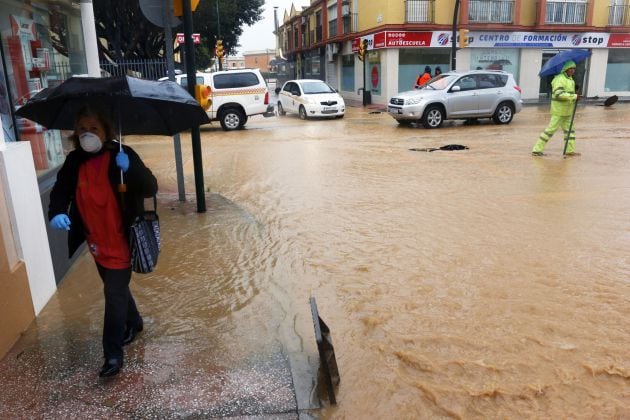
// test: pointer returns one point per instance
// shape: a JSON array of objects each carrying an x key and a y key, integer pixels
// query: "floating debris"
[{"x": 447, "y": 147}]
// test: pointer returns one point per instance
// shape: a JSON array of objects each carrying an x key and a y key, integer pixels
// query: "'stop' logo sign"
[
  {"x": 443, "y": 38},
  {"x": 576, "y": 39}
]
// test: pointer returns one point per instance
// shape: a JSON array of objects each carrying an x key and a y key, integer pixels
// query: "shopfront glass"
[
  {"x": 545, "y": 82},
  {"x": 347, "y": 73},
  {"x": 505, "y": 59},
  {"x": 42, "y": 45},
  {"x": 412, "y": 61},
  {"x": 617, "y": 71},
  {"x": 373, "y": 72}
]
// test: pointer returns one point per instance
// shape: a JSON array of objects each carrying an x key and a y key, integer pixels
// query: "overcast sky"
[{"x": 260, "y": 35}]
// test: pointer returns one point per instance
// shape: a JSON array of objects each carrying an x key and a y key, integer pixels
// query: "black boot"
[
  {"x": 111, "y": 367},
  {"x": 131, "y": 332}
]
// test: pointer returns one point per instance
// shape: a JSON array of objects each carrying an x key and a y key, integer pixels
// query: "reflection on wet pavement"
[{"x": 469, "y": 284}]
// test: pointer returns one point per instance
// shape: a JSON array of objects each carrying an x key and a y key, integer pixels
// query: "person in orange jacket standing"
[{"x": 423, "y": 78}]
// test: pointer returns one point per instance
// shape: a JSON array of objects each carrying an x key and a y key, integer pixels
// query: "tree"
[
  {"x": 233, "y": 14},
  {"x": 125, "y": 34}
]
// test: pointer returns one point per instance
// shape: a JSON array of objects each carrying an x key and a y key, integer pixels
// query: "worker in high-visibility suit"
[{"x": 563, "y": 98}]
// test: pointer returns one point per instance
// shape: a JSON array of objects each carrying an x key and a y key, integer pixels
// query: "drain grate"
[
  {"x": 374, "y": 112},
  {"x": 448, "y": 147}
]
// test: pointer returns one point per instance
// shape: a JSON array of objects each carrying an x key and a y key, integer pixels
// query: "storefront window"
[
  {"x": 495, "y": 59},
  {"x": 373, "y": 69},
  {"x": 42, "y": 45},
  {"x": 545, "y": 82},
  {"x": 347, "y": 73},
  {"x": 412, "y": 61},
  {"x": 617, "y": 79}
]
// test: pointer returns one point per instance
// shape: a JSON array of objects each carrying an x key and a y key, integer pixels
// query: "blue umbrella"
[{"x": 555, "y": 63}]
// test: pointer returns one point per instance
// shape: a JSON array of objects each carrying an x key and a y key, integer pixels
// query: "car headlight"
[{"x": 413, "y": 101}]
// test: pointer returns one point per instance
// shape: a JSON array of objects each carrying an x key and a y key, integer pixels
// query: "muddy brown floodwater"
[{"x": 481, "y": 283}]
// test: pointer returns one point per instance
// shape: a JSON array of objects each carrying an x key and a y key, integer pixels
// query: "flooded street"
[
  {"x": 480, "y": 283},
  {"x": 457, "y": 284}
]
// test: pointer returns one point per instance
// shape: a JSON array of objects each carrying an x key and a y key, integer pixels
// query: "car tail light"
[
  {"x": 266, "y": 98},
  {"x": 518, "y": 88}
]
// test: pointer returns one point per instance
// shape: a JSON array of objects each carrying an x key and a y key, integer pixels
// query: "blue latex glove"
[
  {"x": 60, "y": 221},
  {"x": 122, "y": 160}
]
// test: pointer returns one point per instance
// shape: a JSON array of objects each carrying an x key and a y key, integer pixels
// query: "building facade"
[
  {"x": 234, "y": 62},
  {"x": 259, "y": 59},
  {"x": 42, "y": 44},
  {"x": 519, "y": 36}
]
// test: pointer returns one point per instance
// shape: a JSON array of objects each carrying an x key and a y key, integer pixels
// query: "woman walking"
[{"x": 86, "y": 202}]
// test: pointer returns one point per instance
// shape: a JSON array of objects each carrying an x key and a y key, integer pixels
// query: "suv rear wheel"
[
  {"x": 504, "y": 113},
  {"x": 232, "y": 119},
  {"x": 433, "y": 117}
]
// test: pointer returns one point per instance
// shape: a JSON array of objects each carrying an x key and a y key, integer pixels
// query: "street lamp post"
[{"x": 454, "y": 36}]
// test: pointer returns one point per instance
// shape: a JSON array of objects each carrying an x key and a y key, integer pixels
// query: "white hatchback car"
[{"x": 310, "y": 98}]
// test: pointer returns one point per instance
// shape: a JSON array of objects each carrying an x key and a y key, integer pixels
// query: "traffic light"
[
  {"x": 202, "y": 95},
  {"x": 362, "y": 49},
  {"x": 463, "y": 38},
  {"x": 178, "y": 8},
  {"x": 219, "y": 49}
]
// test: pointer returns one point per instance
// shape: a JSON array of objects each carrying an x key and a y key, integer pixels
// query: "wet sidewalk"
[{"x": 210, "y": 348}]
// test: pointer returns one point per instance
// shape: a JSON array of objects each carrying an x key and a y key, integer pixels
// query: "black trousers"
[{"x": 120, "y": 309}]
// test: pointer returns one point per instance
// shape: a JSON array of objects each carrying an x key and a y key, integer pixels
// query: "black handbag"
[{"x": 144, "y": 241}]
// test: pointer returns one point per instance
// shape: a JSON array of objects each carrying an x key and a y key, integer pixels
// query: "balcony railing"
[
  {"x": 419, "y": 11},
  {"x": 619, "y": 15},
  {"x": 566, "y": 12},
  {"x": 332, "y": 28},
  {"x": 351, "y": 23},
  {"x": 491, "y": 11}
]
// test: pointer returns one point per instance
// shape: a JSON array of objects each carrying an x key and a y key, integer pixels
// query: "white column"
[
  {"x": 21, "y": 195},
  {"x": 529, "y": 81},
  {"x": 89, "y": 38}
]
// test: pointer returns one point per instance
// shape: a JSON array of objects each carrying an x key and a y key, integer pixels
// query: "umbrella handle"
[{"x": 566, "y": 140}]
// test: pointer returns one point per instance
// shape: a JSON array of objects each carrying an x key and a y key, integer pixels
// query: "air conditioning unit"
[{"x": 345, "y": 10}]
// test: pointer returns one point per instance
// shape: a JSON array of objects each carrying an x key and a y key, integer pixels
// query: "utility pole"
[
  {"x": 454, "y": 36},
  {"x": 191, "y": 78}
]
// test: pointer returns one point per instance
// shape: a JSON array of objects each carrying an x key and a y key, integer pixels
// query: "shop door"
[{"x": 545, "y": 82}]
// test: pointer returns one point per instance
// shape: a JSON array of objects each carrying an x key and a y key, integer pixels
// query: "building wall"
[
  {"x": 527, "y": 13},
  {"x": 30, "y": 155},
  {"x": 526, "y": 56},
  {"x": 600, "y": 13},
  {"x": 444, "y": 13},
  {"x": 259, "y": 60}
]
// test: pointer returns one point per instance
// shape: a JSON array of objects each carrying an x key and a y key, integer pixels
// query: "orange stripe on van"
[{"x": 239, "y": 92}]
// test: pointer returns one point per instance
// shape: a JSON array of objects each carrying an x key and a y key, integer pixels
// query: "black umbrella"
[{"x": 137, "y": 106}]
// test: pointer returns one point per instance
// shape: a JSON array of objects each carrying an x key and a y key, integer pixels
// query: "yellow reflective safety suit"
[{"x": 563, "y": 99}]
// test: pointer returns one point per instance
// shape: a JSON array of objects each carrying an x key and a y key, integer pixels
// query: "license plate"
[
  {"x": 394, "y": 110},
  {"x": 328, "y": 108}
]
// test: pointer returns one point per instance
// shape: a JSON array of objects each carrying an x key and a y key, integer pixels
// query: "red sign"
[
  {"x": 619, "y": 40},
  {"x": 379, "y": 40},
  {"x": 374, "y": 77},
  {"x": 403, "y": 39},
  {"x": 181, "y": 39}
]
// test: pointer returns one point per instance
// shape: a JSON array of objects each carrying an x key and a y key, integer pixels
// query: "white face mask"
[{"x": 90, "y": 142}]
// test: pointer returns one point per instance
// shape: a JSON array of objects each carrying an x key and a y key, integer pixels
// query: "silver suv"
[{"x": 453, "y": 96}]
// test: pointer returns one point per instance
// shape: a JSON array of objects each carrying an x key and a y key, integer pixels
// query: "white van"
[{"x": 235, "y": 94}]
